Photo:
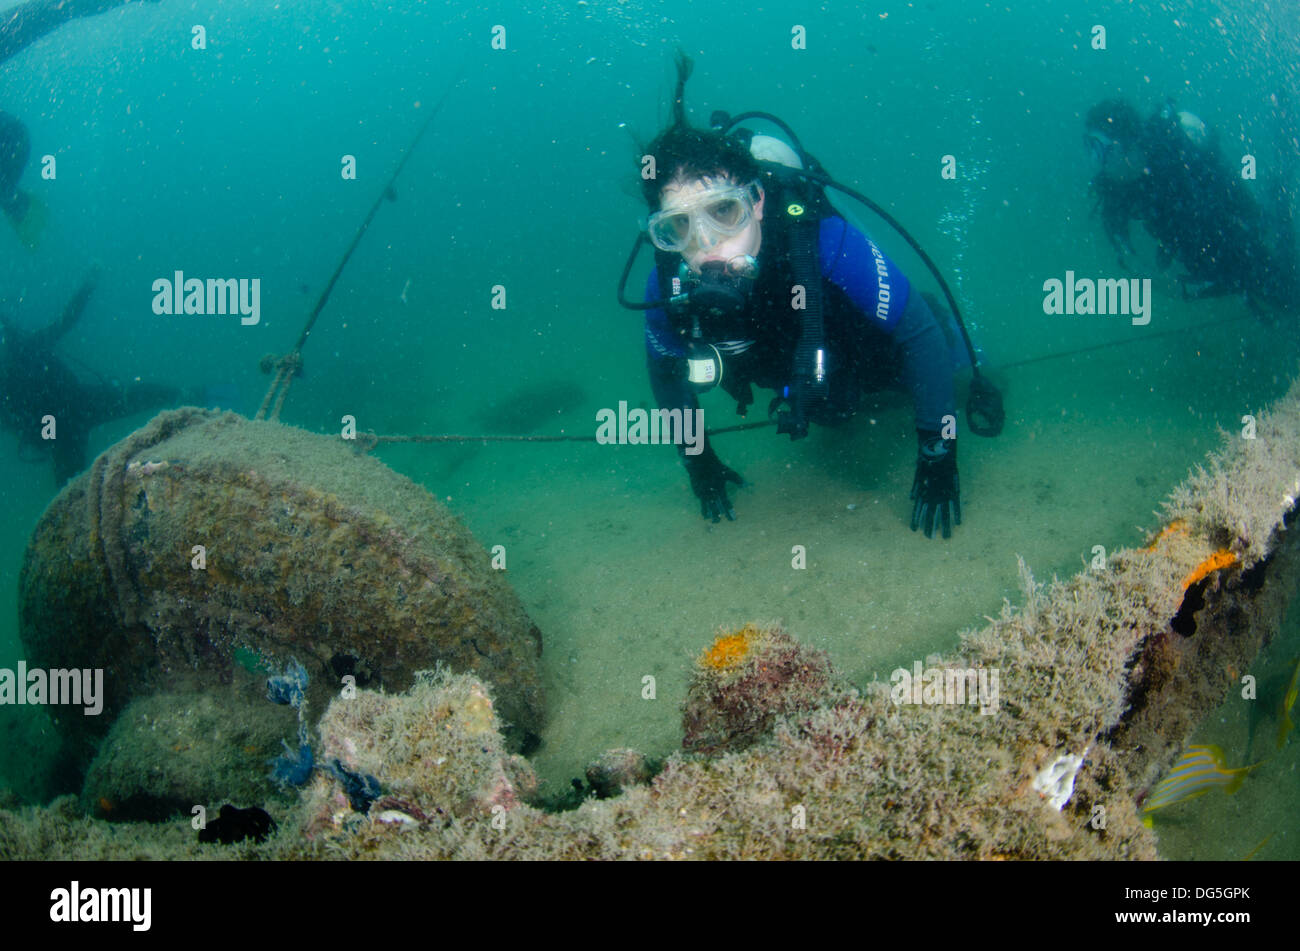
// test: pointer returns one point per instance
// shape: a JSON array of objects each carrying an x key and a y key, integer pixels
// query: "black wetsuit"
[
  {"x": 35, "y": 383},
  {"x": 1201, "y": 215},
  {"x": 15, "y": 147}
]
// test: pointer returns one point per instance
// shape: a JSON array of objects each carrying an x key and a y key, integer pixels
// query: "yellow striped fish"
[
  {"x": 1285, "y": 725},
  {"x": 1198, "y": 771}
]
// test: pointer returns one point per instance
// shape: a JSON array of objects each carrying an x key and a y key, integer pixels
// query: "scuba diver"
[
  {"x": 1167, "y": 173},
  {"x": 19, "y": 27},
  {"x": 758, "y": 281},
  {"x": 35, "y": 383}
]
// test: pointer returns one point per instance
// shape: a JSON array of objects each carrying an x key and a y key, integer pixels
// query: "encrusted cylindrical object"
[{"x": 205, "y": 540}]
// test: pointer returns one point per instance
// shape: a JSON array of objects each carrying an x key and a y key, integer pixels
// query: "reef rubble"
[{"x": 1103, "y": 677}]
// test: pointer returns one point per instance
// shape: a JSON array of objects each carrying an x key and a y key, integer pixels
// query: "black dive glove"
[
  {"x": 709, "y": 478},
  {"x": 935, "y": 488}
]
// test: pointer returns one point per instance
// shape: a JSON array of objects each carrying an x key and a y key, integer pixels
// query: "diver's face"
[
  {"x": 1114, "y": 160},
  {"x": 1127, "y": 166},
  {"x": 706, "y": 243}
]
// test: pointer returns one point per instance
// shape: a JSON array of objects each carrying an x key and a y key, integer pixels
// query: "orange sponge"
[
  {"x": 1177, "y": 525},
  {"x": 729, "y": 649},
  {"x": 1220, "y": 559}
]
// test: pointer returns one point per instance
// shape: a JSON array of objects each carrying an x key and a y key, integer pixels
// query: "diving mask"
[
  {"x": 1099, "y": 146},
  {"x": 710, "y": 217}
]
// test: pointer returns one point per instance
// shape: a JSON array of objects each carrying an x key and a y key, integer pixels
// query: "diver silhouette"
[
  {"x": 1167, "y": 172},
  {"x": 35, "y": 383}
]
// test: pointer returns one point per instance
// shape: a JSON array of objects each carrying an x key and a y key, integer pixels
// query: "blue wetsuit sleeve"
[
  {"x": 660, "y": 341},
  {"x": 927, "y": 364},
  {"x": 854, "y": 263},
  {"x": 663, "y": 355}
]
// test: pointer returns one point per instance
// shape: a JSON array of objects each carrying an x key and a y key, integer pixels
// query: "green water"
[{"x": 227, "y": 161}]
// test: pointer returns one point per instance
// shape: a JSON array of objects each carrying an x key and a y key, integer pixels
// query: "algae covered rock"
[
  {"x": 204, "y": 535},
  {"x": 615, "y": 770},
  {"x": 433, "y": 753},
  {"x": 747, "y": 679},
  {"x": 171, "y": 751}
]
